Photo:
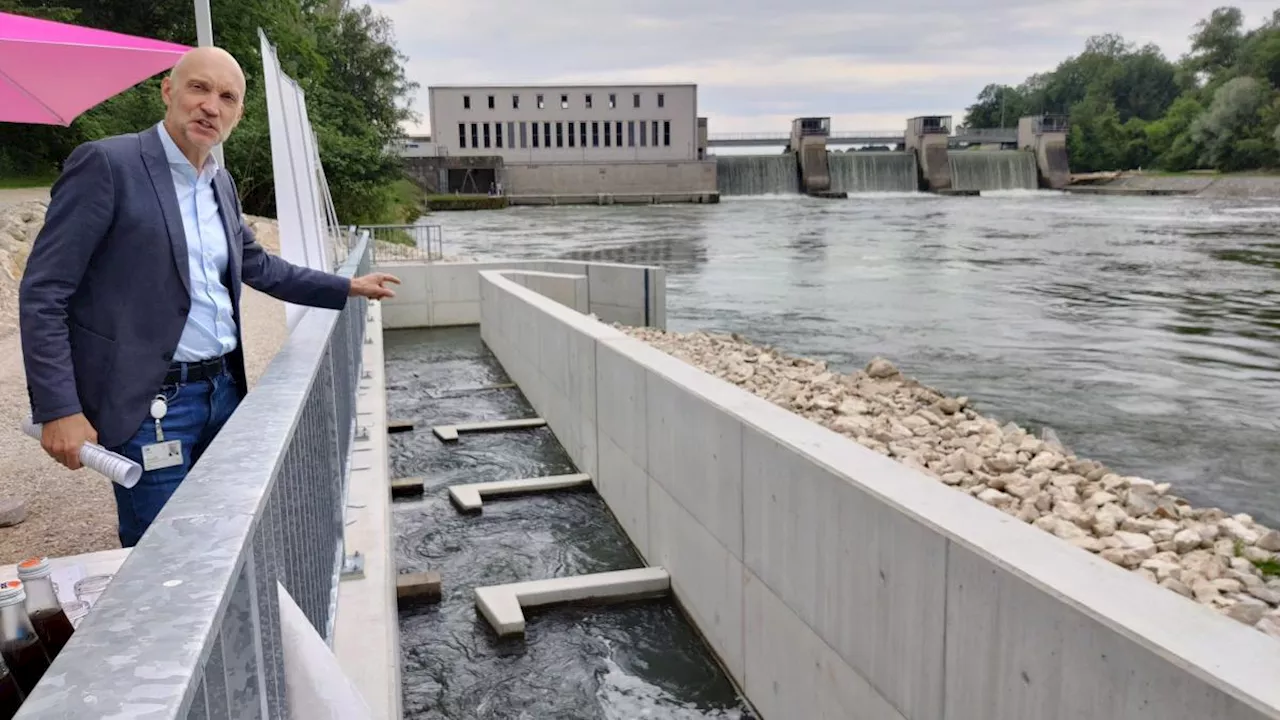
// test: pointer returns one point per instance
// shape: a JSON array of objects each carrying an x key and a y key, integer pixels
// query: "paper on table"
[{"x": 64, "y": 579}]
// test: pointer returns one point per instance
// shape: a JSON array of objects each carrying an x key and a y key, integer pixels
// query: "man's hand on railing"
[{"x": 370, "y": 286}]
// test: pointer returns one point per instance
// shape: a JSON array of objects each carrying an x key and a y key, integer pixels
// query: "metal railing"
[
  {"x": 406, "y": 242},
  {"x": 190, "y": 625}
]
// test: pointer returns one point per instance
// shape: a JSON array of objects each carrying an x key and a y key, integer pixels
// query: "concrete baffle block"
[{"x": 417, "y": 588}]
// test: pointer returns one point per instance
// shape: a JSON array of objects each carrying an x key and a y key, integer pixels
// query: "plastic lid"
[
  {"x": 11, "y": 593},
  {"x": 33, "y": 568}
]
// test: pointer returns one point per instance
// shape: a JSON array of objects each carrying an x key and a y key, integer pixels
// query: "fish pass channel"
[{"x": 630, "y": 660}]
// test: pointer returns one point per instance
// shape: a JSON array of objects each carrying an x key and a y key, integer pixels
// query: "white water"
[
  {"x": 862, "y": 172},
  {"x": 993, "y": 170}
]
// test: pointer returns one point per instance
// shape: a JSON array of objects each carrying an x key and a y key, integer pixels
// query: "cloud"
[{"x": 759, "y": 63}]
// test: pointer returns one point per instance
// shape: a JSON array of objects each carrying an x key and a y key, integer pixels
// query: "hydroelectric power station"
[{"x": 606, "y": 144}]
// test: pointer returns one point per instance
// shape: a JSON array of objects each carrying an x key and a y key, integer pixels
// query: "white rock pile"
[
  {"x": 1226, "y": 562},
  {"x": 19, "y": 225}
]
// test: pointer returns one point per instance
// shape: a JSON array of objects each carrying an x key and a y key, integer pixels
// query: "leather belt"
[{"x": 180, "y": 372}]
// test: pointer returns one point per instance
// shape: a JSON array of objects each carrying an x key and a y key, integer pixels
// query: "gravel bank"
[
  {"x": 1226, "y": 562},
  {"x": 74, "y": 512}
]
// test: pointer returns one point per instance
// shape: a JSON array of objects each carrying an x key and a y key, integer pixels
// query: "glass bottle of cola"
[
  {"x": 51, "y": 623},
  {"x": 20, "y": 646},
  {"x": 11, "y": 696}
]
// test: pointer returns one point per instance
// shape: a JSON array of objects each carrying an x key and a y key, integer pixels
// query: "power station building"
[{"x": 579, "y": 143}]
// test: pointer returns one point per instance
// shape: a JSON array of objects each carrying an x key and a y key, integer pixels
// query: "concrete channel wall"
[
  {"x": 444, "y": 294},
  {"x": 834, "y": 582}
]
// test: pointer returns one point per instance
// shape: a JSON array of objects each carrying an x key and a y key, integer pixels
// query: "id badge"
[{"x": 158, "y": 456}]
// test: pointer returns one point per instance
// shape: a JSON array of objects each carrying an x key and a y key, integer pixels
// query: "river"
[{"x": 1144, "y": 331}]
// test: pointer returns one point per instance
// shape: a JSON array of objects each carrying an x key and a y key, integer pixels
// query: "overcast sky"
[{"x": 868, "y": 65}]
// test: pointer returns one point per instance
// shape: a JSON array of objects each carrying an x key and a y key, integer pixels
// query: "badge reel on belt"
[{"x": 161, "y": 454}]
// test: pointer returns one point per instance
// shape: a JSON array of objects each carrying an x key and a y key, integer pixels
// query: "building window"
[
  {"x": 462, "y": 135},
  {"x": 560, "y": 134},
  {"x": 497, "y": 137},
  {"x": 644, "y": 136},
  {"x": 631, "y": 133},
  {"x": 588, "y": 98},
  {"x": 486, "y": 134},
  {"x": 492, "y": 102},
  {"x": 595, "y": 134},
  {"x": 662, "y": 100},
  {"x": 546, "y": 134},
  {"x": 618, "y": 131},
  {"x": 655, "y": 133},
  {"x": 475, "y": 136},
  {"x": 635, "y": 100},
  {"x": 564, "y": 102},
  {"x": 541, "y": 103},
  {"x": 571, "y": 133},
  {"x": 515, "y": 102},
  {"x": 666, "y": 133},
  {"x": 613, "y": 101},
  {"x": 533, "y": 130},
  {"x": 608, "y": 134},
  {"x": 583, "y": 130},
  {"x": 524, "y": 136},
  {"x": 466, "y": 102}
]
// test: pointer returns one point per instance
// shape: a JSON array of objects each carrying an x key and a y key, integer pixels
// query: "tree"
[
  {"x": 344, "y": 59},
  {"x": 1228, "y": 130},
  {"x": 1169, "y": 138},
  {"x": 1216, "y": 42},
  {"x": 997, "y": 106},
  {"x": 1130, "y": 107}
]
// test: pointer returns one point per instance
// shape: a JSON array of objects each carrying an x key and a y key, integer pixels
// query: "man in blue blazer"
[{"x": 130, "y": 303}]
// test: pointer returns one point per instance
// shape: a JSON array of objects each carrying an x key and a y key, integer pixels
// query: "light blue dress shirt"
[{"x": 211, "y": 329}]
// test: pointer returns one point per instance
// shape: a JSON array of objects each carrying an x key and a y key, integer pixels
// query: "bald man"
[{"x": 130, "y": 303}]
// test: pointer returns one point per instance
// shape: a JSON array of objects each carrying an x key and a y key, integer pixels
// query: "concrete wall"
[
  {"x": 443, "y": 294},
  {"x": 815, "y": 176},
  {"x": 834, "y": 582},
  {"x": 933, "y": 160},
  {"x": 590, "y": 179},
  {"x": 679, "y": 108},
  {"x": 432, "y": 173}
]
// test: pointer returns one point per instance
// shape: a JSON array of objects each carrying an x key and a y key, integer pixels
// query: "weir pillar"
[
  {"x": 927, "y": 137},
  {"x": 809, "y": 143},
  {"x": 1046, "y": 136}
]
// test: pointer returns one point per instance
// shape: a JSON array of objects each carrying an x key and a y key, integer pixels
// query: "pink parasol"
[{"x": 51, "y": 72}]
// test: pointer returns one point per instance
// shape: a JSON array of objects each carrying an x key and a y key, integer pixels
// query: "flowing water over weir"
[
  {"x": 860, "y": 172},
  {"x": 618, "y": 662},
  {"x": 993, "y": 170},
  {"x": 757, "y": 174}
]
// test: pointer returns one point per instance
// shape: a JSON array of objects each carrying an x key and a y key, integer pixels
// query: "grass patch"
[
  {"x": 466, "y": 202},
  {"x": 397, "y": 237},
  {"x": 410, "y": 201},
  {"x": 1268, "y": 568},
  {"x": 22, "y": 182}
]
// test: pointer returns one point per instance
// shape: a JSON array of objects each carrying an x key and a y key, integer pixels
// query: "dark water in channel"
[
  {"x": 638, "y": 660},
  {"x": 1144, "y": 331}
]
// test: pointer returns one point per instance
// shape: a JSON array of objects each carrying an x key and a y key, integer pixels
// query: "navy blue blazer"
[{"x": 106, "y": 292}]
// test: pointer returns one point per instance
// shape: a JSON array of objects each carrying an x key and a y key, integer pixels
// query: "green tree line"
[
  {"x": 343, "y": 57},
  {"x": 1217, "y": 107}
]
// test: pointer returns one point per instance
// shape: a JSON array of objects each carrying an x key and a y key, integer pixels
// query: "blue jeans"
[{"x": 196, "y": 412}]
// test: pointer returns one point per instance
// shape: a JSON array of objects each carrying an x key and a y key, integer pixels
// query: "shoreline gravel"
[{"x": 1229, "y": 563}]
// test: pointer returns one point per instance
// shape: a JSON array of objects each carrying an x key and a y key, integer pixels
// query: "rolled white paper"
[{"x": 118, "y": 468}]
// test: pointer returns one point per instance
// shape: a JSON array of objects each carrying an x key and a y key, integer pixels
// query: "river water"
[{"x": 1144, "y": 331}]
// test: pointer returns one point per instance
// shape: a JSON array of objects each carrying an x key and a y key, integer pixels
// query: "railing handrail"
[{"x": 192, "y": 585}]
